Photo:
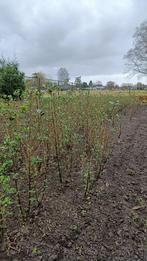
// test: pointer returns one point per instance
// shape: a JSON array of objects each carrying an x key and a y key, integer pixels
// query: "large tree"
[
  {"x": 137, "y": 56},
  {"x": 11, "y": 79},
  {"x": 110, "y": 85},
  {"x": 84, "y": 85},
  {"x": 90, "y": 84},
  {"x": 78, "y": 82},
  {"x": 63, "y": 75}
]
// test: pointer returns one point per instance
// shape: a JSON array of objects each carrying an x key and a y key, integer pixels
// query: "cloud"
[{"x": 89, "y": 37}]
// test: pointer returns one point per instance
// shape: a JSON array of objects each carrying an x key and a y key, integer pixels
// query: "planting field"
[{"x": 73, "y": 176}]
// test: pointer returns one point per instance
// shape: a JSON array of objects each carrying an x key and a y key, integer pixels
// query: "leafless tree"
[
  {"x": 63, "y": 75},
  {"x": 111, "y": 85},
  {"x": 137, "y": 56},
  {"x": 78, "y": 81}
]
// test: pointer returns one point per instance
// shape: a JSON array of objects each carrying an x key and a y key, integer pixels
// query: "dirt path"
[
  {"x": 117, "y": 228},
  {"x": 111, "y": 224}
]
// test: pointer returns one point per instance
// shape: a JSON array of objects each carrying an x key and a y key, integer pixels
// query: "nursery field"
[{"x": 68, "y": 179}]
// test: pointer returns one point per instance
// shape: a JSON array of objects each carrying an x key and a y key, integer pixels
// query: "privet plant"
[{"x": 50, "y": 137}]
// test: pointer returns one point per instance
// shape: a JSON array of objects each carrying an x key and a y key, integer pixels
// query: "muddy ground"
[{"x": 110, "y": 224}]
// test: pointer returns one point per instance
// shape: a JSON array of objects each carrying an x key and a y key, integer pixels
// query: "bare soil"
[{"x": 110, "y": 224}]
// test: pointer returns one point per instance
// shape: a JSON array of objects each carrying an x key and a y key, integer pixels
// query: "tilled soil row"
[{"x": 118, "y": 213}]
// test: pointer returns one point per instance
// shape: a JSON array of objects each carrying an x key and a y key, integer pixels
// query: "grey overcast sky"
[{"x": 88, "y": 37}]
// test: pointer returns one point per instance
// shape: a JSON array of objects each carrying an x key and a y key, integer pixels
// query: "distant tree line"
[{"x": 12, "y": 80}]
